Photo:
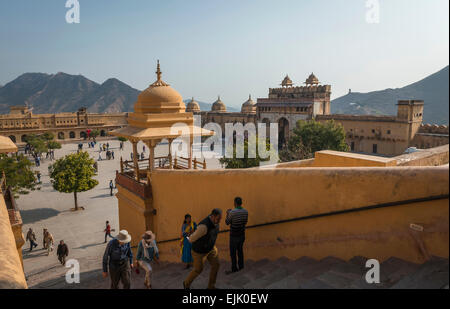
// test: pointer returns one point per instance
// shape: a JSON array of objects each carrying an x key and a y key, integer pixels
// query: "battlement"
[
  {"x": 301, "y": 89},
  {"x": 434, "y": 129}
]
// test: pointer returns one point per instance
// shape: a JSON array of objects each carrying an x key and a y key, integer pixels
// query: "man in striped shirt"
[{"x": 237, "y": 219}]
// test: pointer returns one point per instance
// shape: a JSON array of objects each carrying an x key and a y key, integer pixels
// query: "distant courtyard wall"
[{"x": 284, "y": 194}]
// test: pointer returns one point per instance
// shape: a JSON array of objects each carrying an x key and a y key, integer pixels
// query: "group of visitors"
[
  {"x": 47, "y": 243},
  {"x": 92, "y": 144},
  {"x": 198, "y": 244},
  {"x": 50, "y": 154},
  {"x": 118, "y": 258}
]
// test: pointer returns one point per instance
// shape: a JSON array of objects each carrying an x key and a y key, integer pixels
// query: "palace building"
[{"x": 285, "y": 106}]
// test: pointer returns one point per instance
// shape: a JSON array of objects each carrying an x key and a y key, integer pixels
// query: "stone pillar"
[
  {"x": 170, "y": 154},
  {"x": 135, "y": 160},
  {"x": 190, "y": 154}
]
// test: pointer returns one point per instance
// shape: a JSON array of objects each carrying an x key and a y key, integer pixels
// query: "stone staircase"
[{"x": 303, "y": 273}]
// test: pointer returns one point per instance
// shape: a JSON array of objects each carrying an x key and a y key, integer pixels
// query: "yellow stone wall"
[
  {"x": 282, "y": 194},
  {"x": 11, "y": 270}
]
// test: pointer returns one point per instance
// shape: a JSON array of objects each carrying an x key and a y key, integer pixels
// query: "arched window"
[
  {"x": 72, "y": 134},
  {"x": 23, "y": 138},
  {"x": 61, "y": 135}
]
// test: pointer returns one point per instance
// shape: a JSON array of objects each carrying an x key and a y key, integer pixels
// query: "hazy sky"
[{"x": 232, "y": 47}]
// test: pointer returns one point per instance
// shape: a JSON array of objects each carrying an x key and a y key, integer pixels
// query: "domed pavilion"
[{"x": 156, "y": 110}]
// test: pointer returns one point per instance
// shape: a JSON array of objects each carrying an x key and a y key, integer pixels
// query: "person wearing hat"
[
  {"x": 119, "y": 258},
  {"x": 146, "y": 251}
]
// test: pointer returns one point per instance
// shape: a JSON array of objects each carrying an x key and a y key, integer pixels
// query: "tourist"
[
  {"x": 112, "y": 154},
  {"x": 48, "y": 240},
  {"x": 31, "y": 236},
  {"x": 143, "y": 148},
  {"x": 142, "y": 156},
  {"x": 237, "y": 220},
  {"x": 131, "y": 156},
  {"x": 187, "y": 229},
  {"x": 38, "y": 175},
  {"x": 99, "y": 157},
  {"x": 118, "y": 258},
  {"x": 203, "y": 248},
  {"x": 146, "y": 252},
  {"x": 111, "y": 187},
  {"x": 62, "y": 252},
  {"x": 108, "y": 231},
  {"x": 107, "y": 146},
  {"x": 44, "y": 234}
]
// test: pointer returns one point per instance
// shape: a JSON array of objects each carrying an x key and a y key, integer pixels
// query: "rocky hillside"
[
  {"x": 434, "y": 90},
  {"x": 55, "y": 93}
]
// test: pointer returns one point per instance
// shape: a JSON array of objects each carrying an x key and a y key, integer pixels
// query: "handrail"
[{"x": 335, "y": 213}]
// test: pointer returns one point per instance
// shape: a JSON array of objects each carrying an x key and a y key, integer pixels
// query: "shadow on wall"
[{"x": 38, "y": 214}]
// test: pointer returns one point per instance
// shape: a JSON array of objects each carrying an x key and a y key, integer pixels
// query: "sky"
[{"x": 230, "y": 48}]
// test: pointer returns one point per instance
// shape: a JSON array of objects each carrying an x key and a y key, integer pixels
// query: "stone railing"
[{"x": 127, "y": 181}]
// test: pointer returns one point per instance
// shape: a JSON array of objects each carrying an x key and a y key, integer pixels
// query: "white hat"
[{"x": 124, "y": 236}]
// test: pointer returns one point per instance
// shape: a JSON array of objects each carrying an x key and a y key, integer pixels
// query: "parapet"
[
  {"x": 434, "y": 129},
  {"x": 301, "y": 89}
]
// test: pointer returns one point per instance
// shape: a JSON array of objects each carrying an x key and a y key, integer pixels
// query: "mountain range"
[
  {"x": 61, "y": 92},
  {"x": 434, "y": 90}
]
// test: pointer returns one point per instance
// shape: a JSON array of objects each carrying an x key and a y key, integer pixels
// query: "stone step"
[{"x": 433, "y": 274}]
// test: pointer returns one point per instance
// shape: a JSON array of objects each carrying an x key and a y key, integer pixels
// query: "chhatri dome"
[
  {"x": 312, "y": 80},
  {"x": 193, "y": 106},
  {"x": 159, "y": 98},
  {"x": 219, "y": 106},
  {"x": 287, "y": 82},
  {"x": 249, "y": 106}
]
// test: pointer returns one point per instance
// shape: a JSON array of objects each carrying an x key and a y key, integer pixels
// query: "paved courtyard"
[{"x": 83, "y": 230}]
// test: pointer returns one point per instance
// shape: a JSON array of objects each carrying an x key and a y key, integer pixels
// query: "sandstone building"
[{"x": 285, "y": 106}]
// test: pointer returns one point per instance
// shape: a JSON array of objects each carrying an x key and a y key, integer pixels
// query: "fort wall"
[{"x": 286, "y": 194}]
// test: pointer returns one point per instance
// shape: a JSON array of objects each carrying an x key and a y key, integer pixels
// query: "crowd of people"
[
  {"x": 198, "y": 244},
  {"x": 48, "y": 244}
]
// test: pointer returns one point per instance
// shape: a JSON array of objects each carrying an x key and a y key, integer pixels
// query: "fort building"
[
  {"x": 284, "y": 106},
  {"x": 65, "y": 126}
]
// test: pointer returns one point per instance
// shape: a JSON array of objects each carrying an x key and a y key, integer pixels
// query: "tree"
[
  {"x": 41, "y": 143},
  {"x": 19, "y": 175},
  {"x": 53, "y": 145},
  {"x": 251, "y": 158},
  {"x": 94, "y": 134},
  {"x": 308, "y": 137},
  {"x": 122, "y": 139},
  {"x": 73, "y": 174}
]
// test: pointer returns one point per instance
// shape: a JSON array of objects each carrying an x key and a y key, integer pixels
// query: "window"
[
  {"x": 375, "y": 148},
  {"x": 389, "y": 132},
  {"x": 352, "y": 146}
]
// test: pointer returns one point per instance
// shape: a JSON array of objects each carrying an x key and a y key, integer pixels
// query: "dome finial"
[{"x": 158, "y": 71}]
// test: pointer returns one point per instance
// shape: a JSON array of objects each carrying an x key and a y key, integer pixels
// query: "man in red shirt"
[{"x": 107, "y": 231}]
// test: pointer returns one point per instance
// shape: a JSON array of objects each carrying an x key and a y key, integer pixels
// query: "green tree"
[
  {"x": 251, "y": 157},
  {"x": 122, "y": 139},
  {"x": 42, "y": 143},
  {"x": 53, "y": 145},
  {"x": 94, "y": 134},
  {"x": 308, "y": 137},
  {"x": 19, "y": 174},
  {"x": 73, "y": 174}
]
